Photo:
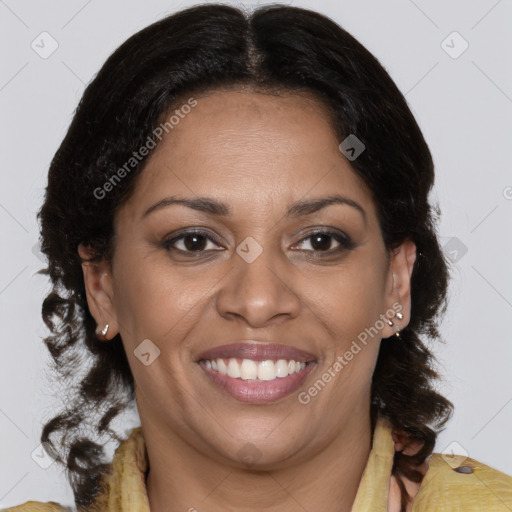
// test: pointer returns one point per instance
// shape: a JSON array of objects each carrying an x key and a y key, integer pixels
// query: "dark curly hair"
[{"x": 276, "y": 48}]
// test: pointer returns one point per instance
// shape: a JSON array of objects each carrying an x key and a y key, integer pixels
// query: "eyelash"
[{"x": 345, "y": 242}]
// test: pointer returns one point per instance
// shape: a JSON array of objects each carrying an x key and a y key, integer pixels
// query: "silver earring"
[
  {"x": 400, "y": 316},
  {"x": 103, "y": 331},
  {"x": 390, "y": 323}
]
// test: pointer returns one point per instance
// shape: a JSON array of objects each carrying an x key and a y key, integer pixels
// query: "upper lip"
[{"x": 257, "y": 351}]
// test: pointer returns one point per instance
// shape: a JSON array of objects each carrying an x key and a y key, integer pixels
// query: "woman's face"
[{"x": 254, "y": 272}]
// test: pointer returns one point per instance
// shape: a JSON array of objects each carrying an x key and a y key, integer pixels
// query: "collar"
[{"x": 123, "y": 489}]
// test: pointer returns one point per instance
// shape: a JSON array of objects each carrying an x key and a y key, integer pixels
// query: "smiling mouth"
[
  {"x": 256, "y": 382},
  {"x": 250, "y": 370},
  {"x": 256, "y": 372}
]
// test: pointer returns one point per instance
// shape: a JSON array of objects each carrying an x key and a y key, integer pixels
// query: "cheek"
[
  {"x": 350, "y": 300},
  {"x": 349, "y": 305},
  {"x": 155, "y": 299},
  {"x": 354, "y": 318}
]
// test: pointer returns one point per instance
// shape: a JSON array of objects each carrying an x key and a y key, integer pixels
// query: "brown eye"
[
  {"x": 191, "y": 242},
  {"x": 322, "y": 241}
]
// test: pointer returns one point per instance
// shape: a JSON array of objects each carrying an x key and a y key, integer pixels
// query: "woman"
[{"x": 238, "y": 231}]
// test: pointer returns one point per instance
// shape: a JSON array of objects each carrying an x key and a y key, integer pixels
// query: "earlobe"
[{"x": 99, "y": 293}]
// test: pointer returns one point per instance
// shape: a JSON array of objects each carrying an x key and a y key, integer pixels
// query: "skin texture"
[{"x": 257, "y": 153}]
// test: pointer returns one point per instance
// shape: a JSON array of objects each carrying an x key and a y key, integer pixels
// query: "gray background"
[{"x": 463, "y": 103}]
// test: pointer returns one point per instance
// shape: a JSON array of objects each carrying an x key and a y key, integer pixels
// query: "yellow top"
[{"x": 451, "y": 483}]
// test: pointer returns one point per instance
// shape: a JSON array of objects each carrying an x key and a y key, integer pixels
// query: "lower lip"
[{"x": 259, "y": 392}]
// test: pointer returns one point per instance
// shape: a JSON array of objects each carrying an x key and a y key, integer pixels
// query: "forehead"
[
  {"x": 250, "y": 148},
  {"x": 245, "y": 121}
]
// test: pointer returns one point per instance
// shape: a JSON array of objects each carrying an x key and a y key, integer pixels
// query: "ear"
[
  {"x": 99, "y": 292},
  {"x": 399, "y": 285}
]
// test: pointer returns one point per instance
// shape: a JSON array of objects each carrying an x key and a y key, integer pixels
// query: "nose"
[{"x": 260, "y": 292}]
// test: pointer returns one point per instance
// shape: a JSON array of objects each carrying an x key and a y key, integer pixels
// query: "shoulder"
[
  {"x": 37, "y": 506},
  {"x": 454, "y": 483},
  {"x": 124, "y": 476}
]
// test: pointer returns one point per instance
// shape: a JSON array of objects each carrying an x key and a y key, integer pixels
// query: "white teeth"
[
  {"x": 222, "y": 366},
  {"x": 267, "y": 370},
  {"x": 248, "y": 370},
  {"x": 233, "y": 369},
  {"x": 255, "y": 370},
  {"x": 282, "y": 368}
]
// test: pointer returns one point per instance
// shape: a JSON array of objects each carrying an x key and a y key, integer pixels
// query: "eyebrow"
[{"x": 218, "y": 208}]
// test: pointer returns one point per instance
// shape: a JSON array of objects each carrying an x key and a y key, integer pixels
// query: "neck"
[{"x": 182, "y": 478}]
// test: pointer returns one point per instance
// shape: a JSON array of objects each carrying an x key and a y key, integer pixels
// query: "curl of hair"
[{"x": 276, "y": 49}]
